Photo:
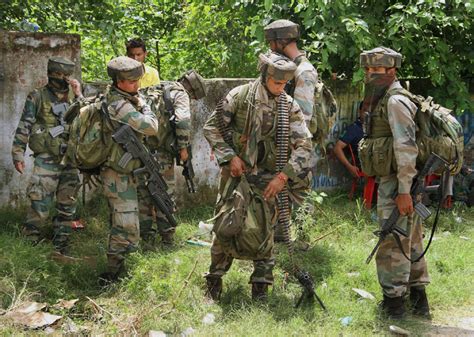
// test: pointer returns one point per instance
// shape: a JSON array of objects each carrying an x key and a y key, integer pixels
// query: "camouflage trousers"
[
  {"x": 395, "y": 273},
  {"x": 49, "y": 180},
  {"x": 147, "y": 211},
  {"x": 121, "y": 192},
  {"x": 221, "y": 262}
]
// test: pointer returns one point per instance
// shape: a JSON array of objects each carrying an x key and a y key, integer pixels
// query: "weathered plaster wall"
[{"x": 23, "y": 62}]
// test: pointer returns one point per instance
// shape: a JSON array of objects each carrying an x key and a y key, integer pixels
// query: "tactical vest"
[
  {"x": 437, "y": 131},
  {"x": 156, "y": 98},
  {"x": 266, "y": 159},
  {"x": 116, "y": 150},
  {"x": 41, "y": 140}
]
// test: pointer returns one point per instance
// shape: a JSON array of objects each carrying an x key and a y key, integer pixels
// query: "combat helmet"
[
  {"x": 380, "y": 57},
  {"x": 60, "y": 65},
  {"x": 279, "y": 67},
  {"x": 196, "y": 83},
  {"x": 125, "y": 68},
  {"x": 282, "y": 29}
]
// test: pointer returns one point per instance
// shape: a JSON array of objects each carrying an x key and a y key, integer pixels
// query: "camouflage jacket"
[
  {"x": 401, "y": 118},
  {"x": 132, "y": 110},
  {"x": 180, "y": 103},
  {"x": 264, "y": 126},
  {"x": 38, "y": 118},
  {"x": 306, "y": 78}
]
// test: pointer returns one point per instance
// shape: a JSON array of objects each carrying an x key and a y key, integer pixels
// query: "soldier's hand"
[
  {"x": 183, "y": 155},
  {"x": 404, "y": 203},
  {"x": 237, "y": 167},
  {"x": 75, "y": 85},
  {"x": 275, "y": 186},
  {"x": 19, "y": 166}
]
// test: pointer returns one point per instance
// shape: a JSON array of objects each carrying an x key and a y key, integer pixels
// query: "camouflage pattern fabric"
[
  {"x": 120, "y": 188},
  {"x": 235, "y": 111},
  {"x": 121, "y": 193},
  {"x": 395, "y": 273},
  {"x": 306, "y": 78},
  {"x": 282, "y": 29},
  {"x": 380, "y": 57},
  {"x": 159, "y": 146},
  {"x": 49, "y": 179}
]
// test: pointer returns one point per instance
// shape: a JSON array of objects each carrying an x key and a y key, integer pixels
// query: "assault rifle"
[
  {"x": 417, "y": 191},
  {"x": 188, "y": 171},
  {"x": 155, "y": 183}
]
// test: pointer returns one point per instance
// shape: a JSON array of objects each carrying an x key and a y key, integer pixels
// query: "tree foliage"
[{"x": 221, "y": 38}]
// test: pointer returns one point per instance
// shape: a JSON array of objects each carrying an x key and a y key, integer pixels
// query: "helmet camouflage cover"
[
  {"x": 380, "y": 57},
  {"x": 60, "y": 65},
  {"x": 279, "y": 67},
  {"x": 196, "y": 82},
  {"x": 282, "y": 29},
  {"x": 125, "y": 68}
]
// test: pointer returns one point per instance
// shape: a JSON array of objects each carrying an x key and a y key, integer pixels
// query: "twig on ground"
[{"x": 326, "y": 234}]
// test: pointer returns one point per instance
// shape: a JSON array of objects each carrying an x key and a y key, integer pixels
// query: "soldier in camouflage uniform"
[
  {"x": 392, "y": 120},
  {"x": 42, "y": 127},
  {"x": 282, "y": 35},
  {"x": 165, "y": 145},
  {"x": 253, "y": 155},
  {"x": 120, "y": 187}
]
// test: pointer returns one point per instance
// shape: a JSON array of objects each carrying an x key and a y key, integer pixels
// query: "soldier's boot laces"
[
  {"x": 259, "y": 291},
  {"x": 393, "y": 307},
  {"x": 419, "y": 302},
  {"x": 214, "y": 288}
]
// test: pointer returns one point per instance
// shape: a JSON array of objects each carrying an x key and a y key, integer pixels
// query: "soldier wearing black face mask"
[{"x": 43, "y": 129}]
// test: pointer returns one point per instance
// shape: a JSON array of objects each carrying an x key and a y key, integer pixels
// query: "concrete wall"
[{"x": 23, "y": 64}]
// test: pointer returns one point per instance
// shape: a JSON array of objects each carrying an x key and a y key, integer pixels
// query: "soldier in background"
[
  {"x": 136, "y": 49},
  {"x": 120, "y": 187},
  {"x": 283, "y": 35},
  {"x": 250, "y": 111},
  {"x": 392, "y": 129},
  {"x": 170, "y": 102},
  {"x": 42, "y": 127}
]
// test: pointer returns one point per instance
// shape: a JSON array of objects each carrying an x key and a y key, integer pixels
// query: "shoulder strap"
[{"x": 167, "y": 100}]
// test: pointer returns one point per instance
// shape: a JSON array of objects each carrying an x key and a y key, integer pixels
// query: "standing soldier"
[
  {"x": 282, "y": 35},
  {"x": 392, "y": 129},
  {"x": 124, "y": 107},
  {"x": 170, "y": 103},
  {"x": 42, "y": 127},
  {"x": 136, "y": 49},
  {"x": 250, "y": 113}
]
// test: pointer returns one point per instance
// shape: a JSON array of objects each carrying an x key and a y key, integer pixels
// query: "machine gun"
[
  {"x": 155, "y": 183},
  {"x": 416, "y": 191}
]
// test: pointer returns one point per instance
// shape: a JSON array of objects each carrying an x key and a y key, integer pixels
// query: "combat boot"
[
  {"x": 167, "y": 238},
  {"x": 419, "y": 302},
  {"x": 393, "y": 307},
  {"x": 214, "y": 288},
  {"x": 259, "y": 291}
]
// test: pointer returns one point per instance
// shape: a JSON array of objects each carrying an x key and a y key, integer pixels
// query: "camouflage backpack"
[{"x": 90, "y": 137}]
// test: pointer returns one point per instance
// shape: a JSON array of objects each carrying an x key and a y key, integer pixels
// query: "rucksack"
[{"x": 90, "y": 137}]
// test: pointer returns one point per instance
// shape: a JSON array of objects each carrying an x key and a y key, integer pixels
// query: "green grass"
[{"x": 164, "y": 289}]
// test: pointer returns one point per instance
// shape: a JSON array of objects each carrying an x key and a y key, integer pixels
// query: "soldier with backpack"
[
  {"x": 43, "y": 129},
  {"x": 244, "y": 131},
  {"x": 170, "y": 103},
  {"x": 389, "y": 150},
  {"x": 123, "y": 106}
]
